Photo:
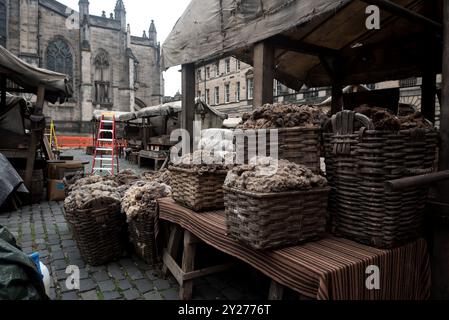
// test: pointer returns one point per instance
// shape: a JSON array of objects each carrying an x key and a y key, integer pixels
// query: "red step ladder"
[{"x": 106, "y": 157}]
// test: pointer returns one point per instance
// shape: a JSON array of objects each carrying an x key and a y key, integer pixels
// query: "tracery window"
[
  {"x": 102, "y": 79},
  {"x": 59, "y": 57}
]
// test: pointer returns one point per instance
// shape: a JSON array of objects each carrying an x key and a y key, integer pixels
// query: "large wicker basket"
[
  {"x": 143, "y": 235},
  {"x": 98, "y": 233},
  {"x": 198, "y": 190},
  {"x": 299, "y": 145},
  {"x": 275, "y": 220},
  {"x": 359, "y": 160}
]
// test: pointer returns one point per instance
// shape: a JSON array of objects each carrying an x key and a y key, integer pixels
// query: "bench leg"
[
  {"x": 173, "y": 245},
  {"x": 276, "y": 291},
  {"x": 188, "y": 265}
]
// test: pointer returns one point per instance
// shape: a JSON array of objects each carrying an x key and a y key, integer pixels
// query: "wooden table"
[{"x": 330, "y": 269}]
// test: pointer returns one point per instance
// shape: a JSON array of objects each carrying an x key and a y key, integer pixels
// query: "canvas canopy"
[
  {"x": 57, "y": 87},
  {"x": 310, "y": 38}
]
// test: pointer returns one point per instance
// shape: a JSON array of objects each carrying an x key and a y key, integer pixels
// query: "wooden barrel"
[{"x": 37, "y": 185}]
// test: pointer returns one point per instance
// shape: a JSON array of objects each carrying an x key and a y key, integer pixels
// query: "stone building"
[
  {"x": 227, "y": 85},
  {"x": 109, "y": 68}
]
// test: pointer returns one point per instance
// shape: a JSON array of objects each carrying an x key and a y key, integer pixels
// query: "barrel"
[{"x": 37, "y": 185}]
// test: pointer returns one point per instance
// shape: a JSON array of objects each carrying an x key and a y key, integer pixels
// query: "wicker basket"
[
  {"x": 98, "y": 233},
  {"x": 198, "y": 190},
  {"x": 142, "y": 235},
  {"x": 299, "y": 145},
  {"x": 275, "y": 220},
  {"x": 359, "y": 160}
]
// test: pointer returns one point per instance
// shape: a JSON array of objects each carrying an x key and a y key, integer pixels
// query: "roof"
[
  {"x": 56, "y": 85},
  {"x": 306, "y": 33}
]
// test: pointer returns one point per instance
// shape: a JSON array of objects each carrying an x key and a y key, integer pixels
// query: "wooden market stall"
[
  {"x": 320, "y": 43},
  {"x": 17, "y": 76}
]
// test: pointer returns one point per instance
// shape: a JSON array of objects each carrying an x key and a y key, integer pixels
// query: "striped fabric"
[{"x": 330, "y": 269}]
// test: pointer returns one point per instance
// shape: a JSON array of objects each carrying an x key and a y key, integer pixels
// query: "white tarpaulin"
[
  {"x": 29, "y": 77},
  {"x": 211, "y": 28}
]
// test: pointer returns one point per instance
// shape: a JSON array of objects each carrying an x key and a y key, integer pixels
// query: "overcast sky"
[{"x": 139, "y": 14}]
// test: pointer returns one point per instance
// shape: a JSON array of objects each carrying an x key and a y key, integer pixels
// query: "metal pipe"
[{"x": 416, "y": 181}]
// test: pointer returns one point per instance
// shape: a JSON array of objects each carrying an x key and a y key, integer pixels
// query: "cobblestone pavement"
[{"x": 42, "y": 228}]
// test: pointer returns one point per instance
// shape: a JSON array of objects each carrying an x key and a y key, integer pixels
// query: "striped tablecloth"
[{"x": 330, "y": 269}]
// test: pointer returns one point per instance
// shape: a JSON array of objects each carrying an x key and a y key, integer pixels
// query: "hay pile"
[
  {"x": 269, "y": 175},
  {"x": 282, "y": 115},
  {"x": 384, "y": 119},
  {"x": 205, "y": 161},
  {"x": 140, "y": 199}
]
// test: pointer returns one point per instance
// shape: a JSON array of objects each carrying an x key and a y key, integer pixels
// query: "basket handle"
[{"x": 343, "y": 124}]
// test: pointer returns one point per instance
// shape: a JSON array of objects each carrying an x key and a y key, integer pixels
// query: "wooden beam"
[
  {"x": 174, "y": 241},
  {"x": 276, "y": 291},
  {"x": 40, "y": 100},
  {"x": 406, "y": 13},
  {"x": 444, "y": 116},
  {"x": 170, "y": 264},
  {"x": 208, "y": 271},
  {"x": 3, "y": 91},
  {"x": 188, "y": 265},
  {"x": 188, "y": 102},
  {"x": 263, "y": 74},
  {"x": 429, "y": 91},
  {"x": 289, "y": 44}
]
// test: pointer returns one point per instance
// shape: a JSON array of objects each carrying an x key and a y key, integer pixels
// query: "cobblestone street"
[{"x": 42, "y": 228}]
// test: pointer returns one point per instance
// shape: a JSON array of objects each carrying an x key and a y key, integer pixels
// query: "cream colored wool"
[
  {"x": 141, "y": 198},
  {"x": 92, "y": 196},
  {"x": 269, "y": 175},
  {"x": 206, "y": 161}
]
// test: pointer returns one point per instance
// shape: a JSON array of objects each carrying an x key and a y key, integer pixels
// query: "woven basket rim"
[
  {"x": 276, "y": 194},
  {"x": 426, "y": 130},
  {"x": 314, "y": 128},
  {"x": 187, "y": 170},
  {"x": 107, "y": 208}
]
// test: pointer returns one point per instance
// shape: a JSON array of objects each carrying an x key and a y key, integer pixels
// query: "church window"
[
  {"x": 102, "y": 79},
  {"x": 59, "y": 57},
  {"x": 2, "y": 24}
]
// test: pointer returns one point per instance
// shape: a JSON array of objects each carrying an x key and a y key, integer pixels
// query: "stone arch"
[
  {"x": 59, "y": 56},
  {"x": 102, "y": 78}
]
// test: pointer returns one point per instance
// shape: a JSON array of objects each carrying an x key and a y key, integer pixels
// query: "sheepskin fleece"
[
  {"x": 269, "y": 175},
  {"x": 282, "y": 115}
]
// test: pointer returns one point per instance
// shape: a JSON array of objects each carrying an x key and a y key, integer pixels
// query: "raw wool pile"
[
  {"x": 159, "y": 176},
  {"x": 87, "y": 181},
  {"x": 269, "y": 175},
  {"x": 384, "y": 119},
  {"x": 140, "y": 198},
  {"x": 281, "y": 115},
  {"x": 206, "y": 161},
  {"x": 92, "y": 195},
  {"x": 126, "y": 177}
]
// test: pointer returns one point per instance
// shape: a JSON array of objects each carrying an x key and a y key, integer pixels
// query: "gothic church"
[{"x": 109, "y": 69}]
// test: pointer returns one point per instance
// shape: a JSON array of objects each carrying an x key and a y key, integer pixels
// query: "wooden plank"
[
  {"x": 47, "y": 149},
  {"x": 208, "y": 271},
  {"x": 188, "y": 103},
  {"x": 188, "y": 265},
  {"x": 263, "y": 74},
  {"x": 276, "y": 291},
  {"x": 171, "y": 265},
  {"x": 173, "y": 244},
  {"x": 301, "y": 47}
]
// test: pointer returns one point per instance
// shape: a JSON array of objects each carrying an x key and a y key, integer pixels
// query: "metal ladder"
[{"x": 106, "y": 151}]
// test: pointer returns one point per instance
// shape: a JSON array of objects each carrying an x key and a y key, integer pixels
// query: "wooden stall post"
[
  {"x": 263, "y": 74},
  {"x": 31, "y": 158},
  {"x": 188, "y": 102},
  {"x": 3, "y": 90},
  {"x": 444, "y": 117}
]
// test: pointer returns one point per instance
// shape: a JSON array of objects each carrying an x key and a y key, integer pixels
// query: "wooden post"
[
  {"x": 276, "y": 291},
  {"x": 188, "y": 265},
  {"x": 444, "y": 117},
  {"x": 429, "y": 91},
  {"x": 188, "y": 101},
  {"x": 263, "y": 74},
  {"x": 35, "y": 120},
  {"x": 3, "y": 91},
  {"x": 173, "y": 245},
  {"x": 337, "y": 96}
]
